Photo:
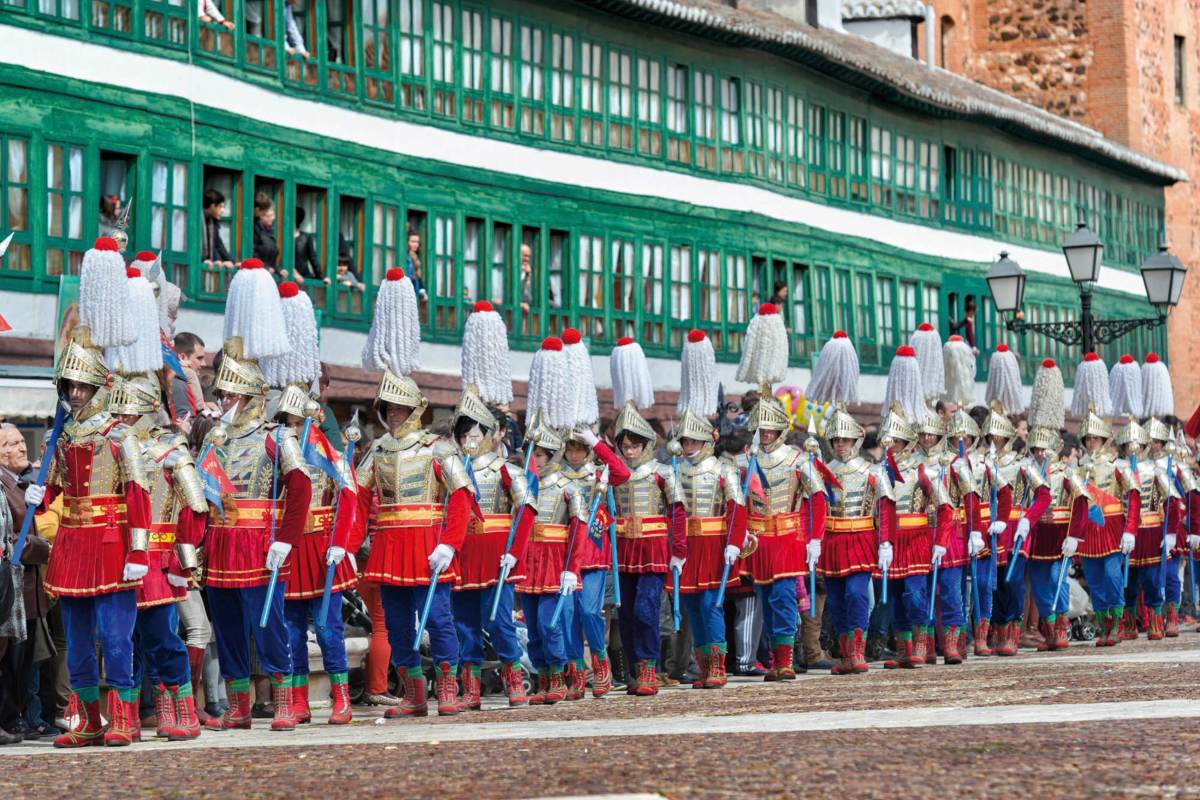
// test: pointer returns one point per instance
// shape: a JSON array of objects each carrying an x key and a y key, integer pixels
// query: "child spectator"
[
  {"x": 412, "y": 264},
  {"x": 210, "y": 12},
  {"x": 308, "y": 266},
  {"x": 266, "y": 248},
  {"x": 212, "y": 250},
  {"x": 295, "y": 39}
]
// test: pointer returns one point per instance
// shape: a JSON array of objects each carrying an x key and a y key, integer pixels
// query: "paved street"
[{"x": 1086, "y": 723}]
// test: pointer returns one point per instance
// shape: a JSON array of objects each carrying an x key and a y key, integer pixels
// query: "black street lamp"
[{"x": 1162, "y": 274}]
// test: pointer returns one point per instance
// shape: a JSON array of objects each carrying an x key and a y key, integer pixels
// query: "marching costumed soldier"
[
  {"x": 930, "y": 452},
  {"x": 425, "y": 504},
  {"x": 1160, "y": 519},
  {"x": 708, "y": 502},
  {"x": 965, "y": 475},
  {"x": 921, "y": 531},
  {"x": 495, "y": 543},
  {"x": 788, "y": 515},
  {"x": 100, "y": 554},
  {"x": 332, "y": 515},
  {"x": 648, "y": 547},
  {"x": 592, "y": 548},
  {"x": 265, "y": 502}
]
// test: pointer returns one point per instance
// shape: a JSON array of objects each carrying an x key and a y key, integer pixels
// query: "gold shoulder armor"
[
  {"x": 811, "y": 481},
  {"x": 188, "y": 485},
  {"x": 518, "y": 488},
  {"x": 962, "y": 475},
  {"x": 1033, "y": 478},
  {"x": 733, "y": 482},
  {"x": 1187, "y": 478},
  {"x": 941, "y": 494},
  {"x": 133, "y": 465},
  {"x": 1077, "y": 484},
  {"x": 670, "y": 478},
  {"x": 454, "y": 473},
  {"x": 290, "y": 457},
  {"x": 578, "y": 500}
]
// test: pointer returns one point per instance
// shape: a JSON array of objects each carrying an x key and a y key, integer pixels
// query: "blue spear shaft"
[
  {"x": 976, "y": 611},
  {"x": 60, "y": 419},
  {"x": 433, "y": 579},
  {"x": 327, "y": 592},
  {"x": 512, "y": 535},
  {"x": 558, "y": 606},
  {"x": 1166, "y": 512},
  {"x": 266, "y": 609},
  {"x": 812, "y": 568},
  {"x": 1191, "y": 553},
  {"x": 678, "y": 618},
  {"x": 612, "y": 539}
]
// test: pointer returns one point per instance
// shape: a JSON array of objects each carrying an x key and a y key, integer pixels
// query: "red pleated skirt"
[
  {"x": 706, "y": 555},
  {"x": 912, "y": 548},
  {"x": 545, "y": 559},
  {"x": 236, "y": 557},
  {"x": 956, "y": 548},
  {"x": 781, "y": 548},
  {"x": 1047, "y": 536},
  {"x": 1005, "y": 538},
  {"x": 849, "y": 546},
  {"x": 642, "y": 545},
  {"x": 307, "y": 559},
  {"x": 1103, "y": 540},
  {"x": 591, "y": 556},
  {"x": 155, "y": 589},
  {"x": 88, "y": 560},
  {"x": 1147, "y": 549},
  {"x": 479, "y": 559}
]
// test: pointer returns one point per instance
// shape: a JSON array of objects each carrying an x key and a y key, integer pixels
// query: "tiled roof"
[
  {"x": 897, "y": 78},
  {"x": 883, "y": 9}
]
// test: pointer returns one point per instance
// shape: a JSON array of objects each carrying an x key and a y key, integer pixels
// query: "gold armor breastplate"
[
  {"x": 783, "y": 493},
  {"x": 1101, "y": 472},
  {"x": 553, "y": 503},
  {"x": 909, "y": 496},
  {"x": 641, "y": 496},
  {"x": 700, "y": 488},
  {"x": 1152, "y": 479},
  {"x": 85, "y": 444},
  {"x": 489, "y": 482},
  {"x": 402, "y": 470},
  {"x": 856, "y": 498}
]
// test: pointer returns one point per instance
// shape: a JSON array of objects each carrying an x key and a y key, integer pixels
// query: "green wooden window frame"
[
  {"x": 66, "y": 165},
  {"x": 653, "y": 298},
  {"x": 733, "y": 157},
  {"x": 378, "y": 62},
  {"x": 16, "y": 212},
  {"x": 623, "y": 282},
  {"x": 502, "y": 64},
  {"x": 776, "y": 141},
  {"x": 472, "y": 70},
  {"x": 679, "y": 147},
  {"x": 413, "y": 51},
  {"x": 756, "y": 133},
  {"x": 650, "y": 106},
  {"x": 532, "y": 74},
  {"x": 621, "y": 98},
  {"x": 444, "y": 71},
  {"x": 170, "y": 218},
  {"x": 562, "y": 87},
  {"x": 860, "y": 179},
  {"x": 680, "y": 304},
  {"x": 165, "y": 22},
  {"x": 704, "y": 119},
  {"x": 795, "y": 141},
  {"x": 591, "y": 87}
]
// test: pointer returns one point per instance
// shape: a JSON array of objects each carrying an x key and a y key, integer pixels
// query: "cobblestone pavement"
[{"x": 1088, "y": 723}]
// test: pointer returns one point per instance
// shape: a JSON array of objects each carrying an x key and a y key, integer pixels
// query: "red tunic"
[
  {"x": 706, "y": 541},
  {"x": 479, "y": 560},
  {"x": 1047, "y": 534},
  {"x": 237, "y": 544},
  {"x": 783, "y": 541},
  {"x": 913, "y": 537},
  {"x": 1041, "y": 502},
  {"x": 325, "y": 527},
  {"x": 851, "y": 544},
  {"x": 591, "y": 556},
  {"x": 646, "y": 544},
  {"x": 1104, "y": 540},
  {"x": 155, "y": 589}
]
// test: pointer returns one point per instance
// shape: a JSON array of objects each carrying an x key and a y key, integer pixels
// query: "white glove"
[
  {"x": 1021, "y": 532},
  {"x": 975, "y": 546},
  {"x": 508, "y": 561},
  {"x": 1070, "y": 545},
  {"x": 353, "y": 562},
  {"x": 996, "y": 528},
  {"x": 277, "y": 554},
  {"x": 1193, "y": 542},
  {"x": 178, "y": 580},
  {"x": 1170, "y": 542},
  {"x": 585, "y": 433},
  {"x": 939, "y": 553},
  {"x": 885, "y": 556},
  {"x": 677, "y": 563},
  {"x": 1127, "y": 543},
  {"x": 34, "y": 495},
  {"x": 441, "y": 557},
  {"x": 334, "y": 556},
  {"x": 814, "y": 552},
  {"x": 567, "y": 582},
  {"x": 731, "y": 554},
  {"x": 134, "y": 572}
]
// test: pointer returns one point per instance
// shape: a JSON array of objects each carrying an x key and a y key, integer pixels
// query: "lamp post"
[{"x": 1162, "y": 275}]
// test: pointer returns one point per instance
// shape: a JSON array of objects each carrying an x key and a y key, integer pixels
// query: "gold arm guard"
[
  {"x": 188, "y": 557},
  {"x": 139, "y": 539}
]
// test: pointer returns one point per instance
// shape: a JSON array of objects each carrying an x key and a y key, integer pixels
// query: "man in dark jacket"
[{"x": 212, "y": 249}]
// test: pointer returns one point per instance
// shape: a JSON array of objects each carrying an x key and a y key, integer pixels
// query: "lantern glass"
[
  {"x": 1163, "y": 274},
  {"x": 1006, "y": 282},
  {"x": 1083, "y": 249}
]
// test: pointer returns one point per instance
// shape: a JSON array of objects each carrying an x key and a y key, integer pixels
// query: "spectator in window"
[
  {"x": 779, "y": 298},
  {"x": 308, "y": 266},
  {"x": 526, "y": 278},
  {"x": 266, "y": 248},
  {"x": 110, "y": 214},
  {"x": 254, "y": 17},
  {"x": 345, "y": 274},
  {"x": 966, "y": 324},
  {"x": 295, "y": 40},
  {"x": 412, "y": 264},
  {"x": 212, "y": 249},
  {"x": 209, "y": 11}
]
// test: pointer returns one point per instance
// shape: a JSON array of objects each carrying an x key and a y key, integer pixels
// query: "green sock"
[
  {"x": 283, "y": 680},
  {"x": 300, "y": 680},
  {"x": 239, "y": 685},
  {"x": 338, "y": 678},
  {"x": 414, "y": 672},
  {"x": 184, "y": 689},
  {"x": 88, "y": 694},
  {"x": 128, "y": 695},
  {"x": 600, "y": 654}
]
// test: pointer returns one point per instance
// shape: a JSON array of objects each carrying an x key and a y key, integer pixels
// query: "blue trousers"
[
  {"x": 583, "y": 615},
  {"x": 546, "y": 646},
  {"x": 159, "y": 652},
  {"x": 109, "y": 619},
  {"x": 1043, "y": 579},
  {"x": 1009, "y": 599},
  {"x": 471, "y": 609},
  {"x": 706, "y": 619},
  {"x": 1148, "y": 581},
  {"x": 641, "y": 599},
  {"x": 781, "y": 614},
  {"x": 402, "y": 607},
  {"x": 949, "y": 591},
  {"x": 235, "y": 615},
  {"x": 985, "y": 572},
  {"x": 1174, "y": 582},
  {"x": 332, "y": 640},
  {"x": 848, "y": 601},
  {"x": 1104, "y": 577},
  {"x": 912, "y": 608}
]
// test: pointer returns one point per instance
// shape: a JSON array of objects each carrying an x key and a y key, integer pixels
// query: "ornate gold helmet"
[
  {"x": 768, "y": 413},
  {"x": 1157, "y": 430},
  {"x": 1044, "y": 439},
  {"x": 471, "y": 406},
  {"x": 1094, "y": 425},
  {"x": 543, "y": 436},
  {"x": 630, "y": 421},
  {"x": 237, "y": 374},
  {"x": 693, "y": 426},
  {"x": 1132, "y": 434},
  {"x": 896, "y": 425},
  {"x": 134, "y": 396},
  {"x": 401, "y": 390},
  {"x": 81, "y": 361},
  {"x": 998, "y": 423},
  {"x": 962, "y": 426},
  {"x": 932, "y": 424},
  {"x": 840, "y": 425},
  {"x": 295, "y": 400}
]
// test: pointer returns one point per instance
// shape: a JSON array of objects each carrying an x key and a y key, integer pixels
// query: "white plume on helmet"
[
  {"x": 1004, "y": 380},
  {"x": 144, "y": 353},
  {"x": 698, "y": 383},
  {"x": 1091, "y": 387},
  {"x": 630, "y": 373},
  {"x": 1158, "y": 396},
  {"x": 550, "y": 390},
  {"x": 254, "y": 313},
  {"x": 579, "y": 365},
  {"x": 104, "y": 295},
  {"x": 958, "y": 360},
  {"x": 904, "y": 385},
  {"x": 1047, "y": 408},
  {"x": 302, "y": 364},
  {"x": 485, "y": 359},
  {"x": 765, "y": 349},
  {"x": 1125, "y": 387},
  {"x": 835, "y": 375},
  {"x": 926, "y": 342},
  {"x": 394, "y": 341}
]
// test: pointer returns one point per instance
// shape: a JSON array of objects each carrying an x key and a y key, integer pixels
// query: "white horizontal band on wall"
[{"x": 84, "y": 61}]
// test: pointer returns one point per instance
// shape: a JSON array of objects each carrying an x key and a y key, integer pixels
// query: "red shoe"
[
  {"x": 237, "y": 716},
  {"x": 415, "y": 702},
  {"x": 164, "y": 712},
  {"x": 300, "y": 709},
  {"x": 919, "y": 644},
  {"x": 556, "y": 688},
  {"x": 88, "y": 730},
  {"x": 514, "y": 685},
  {"x": 122, "y": 719},
  {"x": 981, "y": 638},
  {"x": 1128, "y": 630},
  {"x": 904, "y": 655},
  {"x": 845, "y": 662},
  {"x": 1112, "y": 629},
  {"x": 446, "y": 686},
  {"x": 781, "y": 664},
  {"x": 1172, "y": 621},
  {"x": 950, "y": 646},
  {"x": 1154, "y": 630},
  {"x": 472, "y": 687},
  {"x": 1062, "y": 632},
  {"x": 716, "y": 668},
  {"x": 281, "y": 699},
  {"x": 647, "y": 680},
  {"x": 931, "y": 645},
  {"x": 187, "y": 724},
  {"x": 702, "y": 664},
  {"x": 601, "y": 676},
  {"x": 196, "y": 662},
  {"x": 341, "y": 712},
  {"x": 858, "y": 651},
  {"x": 1006, "y": 639},
  {"x": 1047, "y": 631},
  {"x": 538, "y": 698}
]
